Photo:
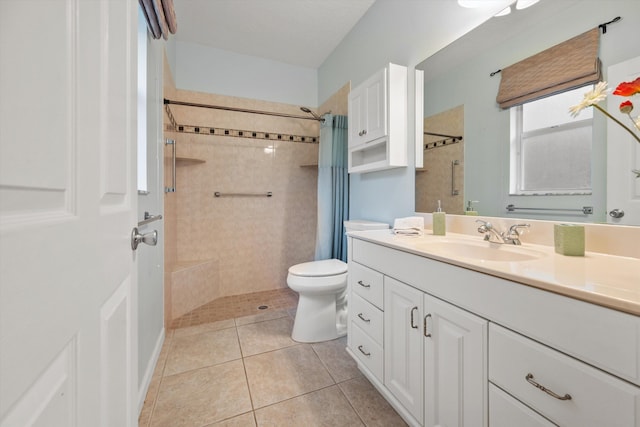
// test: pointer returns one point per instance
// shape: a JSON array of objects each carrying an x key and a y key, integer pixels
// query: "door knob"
[
  {"x": 616, "y": 213},
  {"x": 150, "y": 239}
]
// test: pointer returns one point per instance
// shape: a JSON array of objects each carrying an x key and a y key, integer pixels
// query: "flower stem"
[{"x": 617, "y": 121}]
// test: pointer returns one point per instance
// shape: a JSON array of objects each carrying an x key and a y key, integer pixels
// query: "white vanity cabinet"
[
  {"x": 378, "y": 121},
  {"x": 464, "y": 348},
  {"x": 435, "y": 357},
  {"x": 403, "y": 346},
  {"x": 365, "y": 328},
  {"x": 455, "y": 360}
]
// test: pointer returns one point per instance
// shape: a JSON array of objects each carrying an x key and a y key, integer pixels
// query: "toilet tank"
[{"x": 362, "y": 225}]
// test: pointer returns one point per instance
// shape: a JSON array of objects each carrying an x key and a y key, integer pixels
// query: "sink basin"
[{"x": 482, "y": 251}]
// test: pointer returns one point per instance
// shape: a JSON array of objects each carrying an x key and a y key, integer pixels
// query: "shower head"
[{"x": 315, "y": 116}]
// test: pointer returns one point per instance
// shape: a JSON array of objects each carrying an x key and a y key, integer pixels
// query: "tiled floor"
[{"x": 246, "y": 371}]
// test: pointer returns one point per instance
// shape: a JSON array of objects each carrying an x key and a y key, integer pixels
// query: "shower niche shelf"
[{"x": 188, "y": 161}]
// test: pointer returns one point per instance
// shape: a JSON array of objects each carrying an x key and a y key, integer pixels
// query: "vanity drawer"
[
  {"x": 367, "y": 317},
  {"x": 367, "y": 351},
  {"x": 505, "y": 411},
  {"x": 596, "y": 398},
  {"x": 367, "y": 283}
]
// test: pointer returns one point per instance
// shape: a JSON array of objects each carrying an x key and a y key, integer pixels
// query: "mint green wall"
[{"x": 403, "y": 32}]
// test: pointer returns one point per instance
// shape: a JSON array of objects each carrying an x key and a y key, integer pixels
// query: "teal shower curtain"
[{"x": 333, "y": 189}]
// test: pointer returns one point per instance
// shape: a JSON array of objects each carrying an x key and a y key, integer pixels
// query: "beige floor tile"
[
  {"x": 244, "y": 420},
  {"x": 202, "y": 396},
  {"x": 333, "y": 355},
  {"x": 205, "y": 327},
  {"x": 261, "y": 317},
  {"x": 283, "y": 374},
  {"x": 205, "y": 349},
  {"x": 265, "y": 336},
  {"x": 326, "y": 407},
  {"x": 369, "y": 404}
]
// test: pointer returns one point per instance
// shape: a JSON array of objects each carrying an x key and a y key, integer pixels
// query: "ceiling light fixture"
[
  {"x": 523, "y": 4},
  {"x": 504, "y": 12}
]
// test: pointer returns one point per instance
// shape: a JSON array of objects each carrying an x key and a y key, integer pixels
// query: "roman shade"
[
  {"x": 565, "y": 66},
  {"x": 160, "y": 16}
]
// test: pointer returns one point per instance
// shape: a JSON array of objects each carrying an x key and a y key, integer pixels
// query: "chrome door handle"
[{"x": 150, "y": 239}]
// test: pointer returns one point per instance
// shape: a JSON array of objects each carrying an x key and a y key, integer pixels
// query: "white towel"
[{"x": 409, "y": 226}]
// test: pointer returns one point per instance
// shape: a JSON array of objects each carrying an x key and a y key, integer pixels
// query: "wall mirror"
[{"x": 471, "y": 159}]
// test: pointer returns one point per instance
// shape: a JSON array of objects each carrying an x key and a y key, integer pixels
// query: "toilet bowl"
[{"x": 322, "y": 287}]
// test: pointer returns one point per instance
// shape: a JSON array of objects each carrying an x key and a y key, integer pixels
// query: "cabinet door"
[
  {"x": 368, "y": 110},
  {"x": 357, "y": 119},
  {"x": 376, "y": 106},
  {"x": 455, "y": 366},
  {"x": 403, "y": 348}
]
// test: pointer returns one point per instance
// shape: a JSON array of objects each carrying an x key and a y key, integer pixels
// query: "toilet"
[{"x": 322, "y": 289}]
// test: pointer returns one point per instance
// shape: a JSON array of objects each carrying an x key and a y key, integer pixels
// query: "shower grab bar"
[
  {"x": 149, "y": 218},
  {"x": 219, "y": 194},
  {"x": 454, "y": 163},
  {"x": 172, "y": 189},
  {"x": 587, "y": 210}
]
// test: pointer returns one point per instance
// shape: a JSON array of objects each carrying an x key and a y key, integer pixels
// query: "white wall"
[
  {"x": 205, "y": 69},
  {"x": 402, "y": 32}
]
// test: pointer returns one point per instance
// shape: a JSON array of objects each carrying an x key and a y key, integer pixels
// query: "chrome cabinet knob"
[{"x": 616, "y": 213}]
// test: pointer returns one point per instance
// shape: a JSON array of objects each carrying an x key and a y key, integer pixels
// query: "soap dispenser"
[
  {"x": 470, "y": 210},
  {"x": 439, "y": 222}
]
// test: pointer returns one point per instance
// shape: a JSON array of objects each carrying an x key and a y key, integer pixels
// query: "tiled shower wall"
[
  {"x": 434, "y": 181},
  {"x": 235, "y": 245}
]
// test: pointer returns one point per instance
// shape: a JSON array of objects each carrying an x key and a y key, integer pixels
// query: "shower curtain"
[{"x": 333, "y": 189}]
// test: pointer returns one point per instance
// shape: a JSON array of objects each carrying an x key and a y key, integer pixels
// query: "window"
[{"x": 550, "y": 150}]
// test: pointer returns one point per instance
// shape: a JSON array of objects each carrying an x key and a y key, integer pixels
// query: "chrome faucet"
[{"x": 511, "y": 236}]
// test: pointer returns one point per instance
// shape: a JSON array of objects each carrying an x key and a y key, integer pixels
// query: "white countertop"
[{"x": 607, "y": 280}]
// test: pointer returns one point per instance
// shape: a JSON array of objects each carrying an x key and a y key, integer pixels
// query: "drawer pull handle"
[
  {"x": 425, "y": 326},
  {"x": 412, "y": 325},
  {"x": 364, "y": 285},
  {"x": 363, "y": 352},
  {"x": 363, "y": 319},
  {"x": 530, "y": 380}
]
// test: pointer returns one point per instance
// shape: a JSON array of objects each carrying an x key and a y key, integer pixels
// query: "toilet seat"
[{"x": 323, "y": 268}]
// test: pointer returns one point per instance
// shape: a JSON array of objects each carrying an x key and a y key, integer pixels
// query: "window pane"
[
  {"x": 554, "y": 110},
  {"x": 559, "y": 160}
]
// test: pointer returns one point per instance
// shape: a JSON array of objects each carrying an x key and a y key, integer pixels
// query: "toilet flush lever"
[{"x": 150, "y": 239}]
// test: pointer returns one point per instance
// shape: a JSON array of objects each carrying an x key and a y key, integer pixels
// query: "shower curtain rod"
[{"x": 240, "y": 110}]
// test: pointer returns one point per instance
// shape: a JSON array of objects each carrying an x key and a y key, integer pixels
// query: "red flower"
[
  {"x": 628, "y": 88},
  {"x": 626, "y": 107}
]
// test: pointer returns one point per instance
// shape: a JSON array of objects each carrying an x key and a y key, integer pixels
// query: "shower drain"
[{"x": 263, "y": 307}]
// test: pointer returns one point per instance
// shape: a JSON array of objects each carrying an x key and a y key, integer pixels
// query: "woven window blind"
[
  {"x": 565, "y": 66},
  {"x": 160, "y": 16}
]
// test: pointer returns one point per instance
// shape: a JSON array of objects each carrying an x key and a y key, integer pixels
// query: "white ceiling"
[{"x": 296, "y": 32}]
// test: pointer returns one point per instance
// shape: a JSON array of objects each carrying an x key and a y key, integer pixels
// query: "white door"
[
  {"x": 403, "y": 363},
  {"x": 455, "y": 357},
  {"x": 623, "y": 151},
  {"x": 67, "y": 207}
]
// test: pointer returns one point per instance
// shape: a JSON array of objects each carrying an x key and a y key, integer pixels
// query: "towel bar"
[{"x": 219, "y": 194}]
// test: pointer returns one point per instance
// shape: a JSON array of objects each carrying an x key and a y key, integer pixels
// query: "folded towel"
[{"x": 409, "y": 226}]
